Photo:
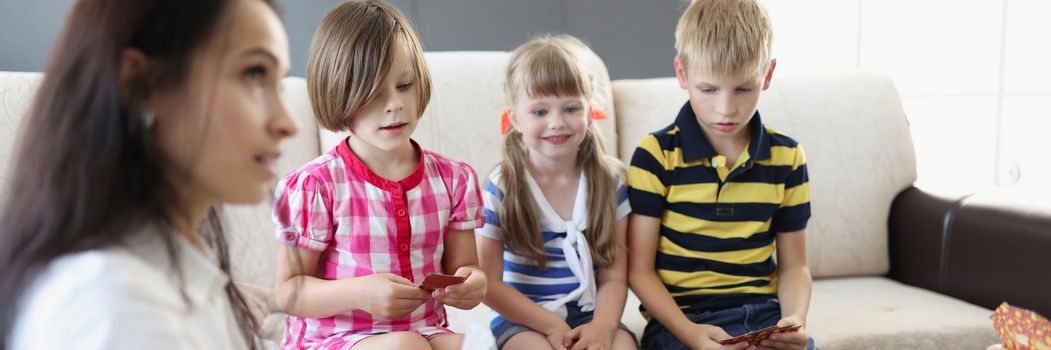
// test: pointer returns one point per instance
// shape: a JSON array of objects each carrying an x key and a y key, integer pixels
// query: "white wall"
[{"x": 971, "y": 73}]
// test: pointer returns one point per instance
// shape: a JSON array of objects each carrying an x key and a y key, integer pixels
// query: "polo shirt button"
[
  {"x": 289, "y": 236},
  {"x": 404, "y": 247},
  {"x": 401, "y": 212}
]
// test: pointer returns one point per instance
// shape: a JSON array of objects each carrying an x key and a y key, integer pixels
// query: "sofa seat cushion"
[
  {"x": 845, "y": 313},
  {"x": 853, "y": 313},
  {"x": 880, "y": 313}
]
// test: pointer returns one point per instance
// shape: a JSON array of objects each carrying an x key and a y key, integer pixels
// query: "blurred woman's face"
[{"x": 221, "y": 130}]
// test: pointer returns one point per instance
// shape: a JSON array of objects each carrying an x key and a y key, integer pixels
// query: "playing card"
[
  {"x": 436, "y": 280},
  {"x": 754, "y": 338},
  {"x": 1019, "y": 328}
]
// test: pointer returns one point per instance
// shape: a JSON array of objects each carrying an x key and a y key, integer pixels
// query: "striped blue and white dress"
[{"x": 570, "y": 273}]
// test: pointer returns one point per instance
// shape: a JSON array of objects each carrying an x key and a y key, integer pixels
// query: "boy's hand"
[
  {"x": 466, "y": 295},
  {"x": 390, "y": 296},
  {"x": 705, "y": 336},
  {"x": 590, "y": 336},
  {"x": 784, "y": 341}
]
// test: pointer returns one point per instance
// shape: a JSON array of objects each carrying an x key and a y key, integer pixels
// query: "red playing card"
[
  {"x": 754, "y": 338},
  {"x": 436, "y": 280},
  {"x": 1021, "y": 329}
]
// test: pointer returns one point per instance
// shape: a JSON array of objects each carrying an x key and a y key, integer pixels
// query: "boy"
[{"x": 712, "y": 193}]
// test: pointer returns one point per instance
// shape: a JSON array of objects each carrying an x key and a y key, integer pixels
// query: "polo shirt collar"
[{"x": 695, "y": 146}]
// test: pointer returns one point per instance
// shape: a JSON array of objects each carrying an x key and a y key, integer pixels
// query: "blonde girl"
[{"x": 556, "y": 208}]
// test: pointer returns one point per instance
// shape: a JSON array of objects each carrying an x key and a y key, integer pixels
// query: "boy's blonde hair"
[
  {"x": 724, "y": 36},
  {"x": 553, "y": 66},
  {"x": 351, "y": 54}
]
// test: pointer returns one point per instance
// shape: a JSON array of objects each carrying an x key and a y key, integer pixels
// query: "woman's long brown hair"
[{"x": 85, "y": 174}]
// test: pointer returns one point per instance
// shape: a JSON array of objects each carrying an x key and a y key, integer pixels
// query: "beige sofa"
[{"x": 852, "y": 126}]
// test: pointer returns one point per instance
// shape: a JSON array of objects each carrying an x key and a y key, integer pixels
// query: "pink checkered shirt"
[{"x": 364, "y": 224}]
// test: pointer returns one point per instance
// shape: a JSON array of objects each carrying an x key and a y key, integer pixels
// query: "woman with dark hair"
[{"x": 151, "y": 114}]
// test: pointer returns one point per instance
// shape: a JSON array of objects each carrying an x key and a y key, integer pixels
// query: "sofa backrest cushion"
[
  {"x": 462, "y": 120},
  {"x": 16, "y": 96},
  {"x": 858, "y": 147},
  {"x": 852, "y": 127},
  {"x": 250, "y": 228}
]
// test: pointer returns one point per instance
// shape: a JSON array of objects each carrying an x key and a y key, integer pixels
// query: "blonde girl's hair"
[
  {"x": 350, "y": 55},
  {"x": 552, "y": 66}
]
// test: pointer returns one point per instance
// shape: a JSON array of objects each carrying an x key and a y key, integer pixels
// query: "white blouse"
[{"x": 128, "y": 297}]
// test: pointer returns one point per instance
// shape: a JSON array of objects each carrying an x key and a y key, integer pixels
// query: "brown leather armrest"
[
  {"x": 917, "y": 241},
  {"x": 1000, "y": 250}
]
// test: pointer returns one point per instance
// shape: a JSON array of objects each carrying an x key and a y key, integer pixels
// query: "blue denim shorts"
[
  {"x": 735, "y": 321},
  {"x": 503, "y": 329}
]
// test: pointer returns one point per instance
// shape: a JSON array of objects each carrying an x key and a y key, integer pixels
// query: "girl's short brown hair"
[{"x": 351, "y": 53}]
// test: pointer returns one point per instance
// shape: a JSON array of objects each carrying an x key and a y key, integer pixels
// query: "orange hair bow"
[{"x": 597, "y": 113}]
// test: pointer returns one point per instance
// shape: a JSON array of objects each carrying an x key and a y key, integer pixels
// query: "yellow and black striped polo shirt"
[{"x": 718, "y": 221}]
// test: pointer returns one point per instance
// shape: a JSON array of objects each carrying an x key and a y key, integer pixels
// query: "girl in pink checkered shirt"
[{"x": 365, "y": 222}]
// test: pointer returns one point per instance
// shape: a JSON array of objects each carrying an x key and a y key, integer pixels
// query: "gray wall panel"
[
  {"x": 28, "y": 28},
  {"x": 485, "y": 24},
  {"x": 301, "y": 18},
  {"x": 633, "y": 37}
]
